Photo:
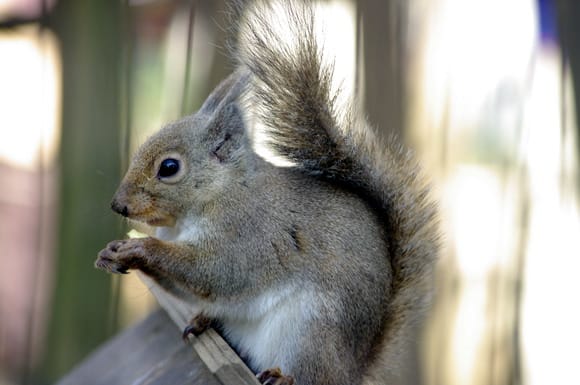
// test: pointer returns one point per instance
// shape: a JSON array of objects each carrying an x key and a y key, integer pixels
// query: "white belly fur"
[{"x": 266, "y": 329}]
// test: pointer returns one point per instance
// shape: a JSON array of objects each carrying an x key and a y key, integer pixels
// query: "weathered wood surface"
[
  {"x": 150, "y": 352},
  {"x": 216, "y": 354},
  {"x": 153, "y": 353}
]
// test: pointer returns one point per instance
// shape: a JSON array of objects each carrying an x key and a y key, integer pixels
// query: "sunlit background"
[{"x": 482, "y": 90}]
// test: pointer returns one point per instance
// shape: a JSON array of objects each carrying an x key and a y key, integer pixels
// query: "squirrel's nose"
[{"x": 119, "y": 208}]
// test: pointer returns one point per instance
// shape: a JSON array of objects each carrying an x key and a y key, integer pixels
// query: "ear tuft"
[
  {"x": 228, "y": 91},
  {"x": 227, "y": 132}
]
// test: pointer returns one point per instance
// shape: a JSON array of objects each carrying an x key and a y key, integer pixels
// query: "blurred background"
[{"x": 482, "y": 90}]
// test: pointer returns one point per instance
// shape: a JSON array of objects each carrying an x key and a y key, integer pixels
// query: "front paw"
[{"x": 120, "y": 256}]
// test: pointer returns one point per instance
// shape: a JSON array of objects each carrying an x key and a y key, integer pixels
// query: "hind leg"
[{"x": 274, "y": 377}]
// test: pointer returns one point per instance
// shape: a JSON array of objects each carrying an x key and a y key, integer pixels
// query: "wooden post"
[{"x": 89, "y": 34}]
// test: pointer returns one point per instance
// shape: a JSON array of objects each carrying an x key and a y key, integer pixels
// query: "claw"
[
  {"x": 189, "y": 329},
  {"x": 197, "y": 325},
  {"x": 105, "y": 263},
  {"x": 102, "y": 263},
  {"x": 120, "y": 270}
]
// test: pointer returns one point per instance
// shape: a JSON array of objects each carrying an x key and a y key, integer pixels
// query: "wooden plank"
[
  {"x": 150, "y": 353},
  {"x": 212, "y": 349}
]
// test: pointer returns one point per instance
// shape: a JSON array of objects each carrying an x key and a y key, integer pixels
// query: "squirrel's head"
[{"x": 189, "y": 164}]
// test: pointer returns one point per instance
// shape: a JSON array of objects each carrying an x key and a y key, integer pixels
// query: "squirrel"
[{"x": 316, "y": 273}]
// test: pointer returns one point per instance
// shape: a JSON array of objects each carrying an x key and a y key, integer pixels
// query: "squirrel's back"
[{"x": 292, "y": 91}]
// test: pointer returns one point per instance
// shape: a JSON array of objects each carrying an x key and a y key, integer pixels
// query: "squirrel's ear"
[
  {"x": 229, "y": 90},
  {"x": 227, "y": 132}
]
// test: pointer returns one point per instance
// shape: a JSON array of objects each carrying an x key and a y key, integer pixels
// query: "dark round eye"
[{"x": 168, "y": 168}]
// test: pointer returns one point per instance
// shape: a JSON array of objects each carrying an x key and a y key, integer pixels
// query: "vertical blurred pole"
[
  {"x": 185, "y": 103},
  {"x": 221, "y": 67},
  {"x": 383, "y": 54},
  {"x": 89, "y": 33},
  {"x": 568, "y": 14},
  {"x": 215, "y": 38}
]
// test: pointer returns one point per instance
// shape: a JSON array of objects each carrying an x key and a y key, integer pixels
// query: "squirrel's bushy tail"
[{"x": 293, "y": 94}]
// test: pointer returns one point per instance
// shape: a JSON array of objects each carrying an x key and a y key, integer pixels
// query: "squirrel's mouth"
[
  {"x": 161, "y": 222},
  {"x": 156, "y": 218}
]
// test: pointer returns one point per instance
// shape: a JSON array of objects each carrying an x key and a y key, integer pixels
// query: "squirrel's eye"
[{"x": 168, "y": 168}]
